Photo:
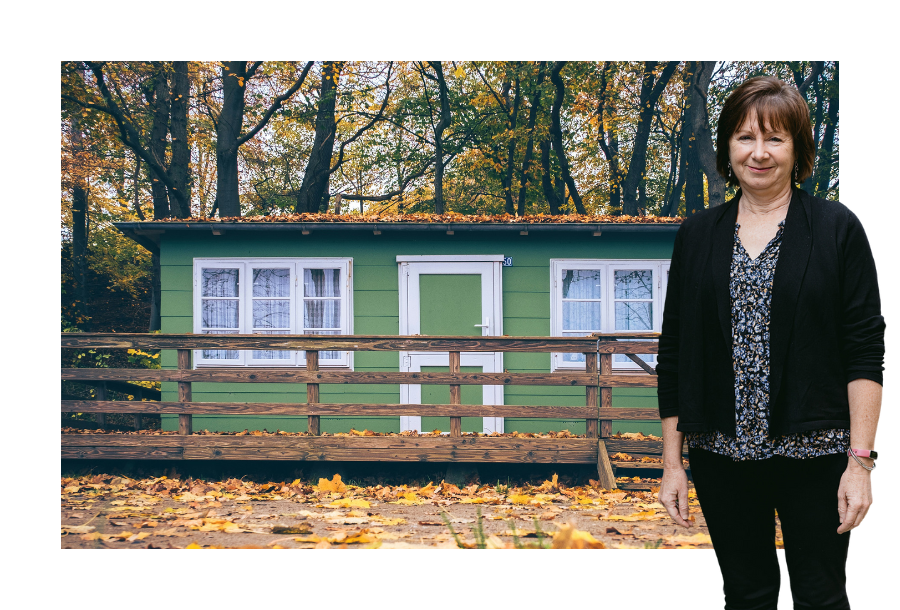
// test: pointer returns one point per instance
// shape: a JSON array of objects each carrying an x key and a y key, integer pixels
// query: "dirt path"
[{"x": 115, "y": 512}]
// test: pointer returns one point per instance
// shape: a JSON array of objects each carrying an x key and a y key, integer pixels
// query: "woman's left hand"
[{"x": 854, "y": 497}]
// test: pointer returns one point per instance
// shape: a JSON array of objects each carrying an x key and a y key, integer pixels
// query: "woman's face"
[{"x": 762, "y": 161}]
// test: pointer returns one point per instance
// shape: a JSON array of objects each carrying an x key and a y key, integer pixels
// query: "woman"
[{"x": 770, "y": 361}]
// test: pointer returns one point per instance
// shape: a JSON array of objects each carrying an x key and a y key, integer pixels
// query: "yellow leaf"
[
  {"x": 698, "y": 538},
  {"x": 408, "y": 499},
  {"x": 647, "y": 515},
  {"x": 97, "y": 536},
  {"x": 385, "y": 521},
  {"x": 334, "y": 484},
  {"x": 428, "y": 490},
  {"x": 193, "y": 545},
  {"x": 348, "y": 503},
  {"x": 494, "y": 542},
  {"x": 519, "y": 499},
  {"x": 472, "y": 501},
  {"x": 570, "y": 538},
  {"x": 77, "y": 529}
]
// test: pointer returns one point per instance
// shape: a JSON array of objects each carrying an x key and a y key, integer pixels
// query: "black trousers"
[{"x": 739, "y": 500}]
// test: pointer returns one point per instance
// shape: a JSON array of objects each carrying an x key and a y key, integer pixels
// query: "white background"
[{"x": 38, "y": 36}]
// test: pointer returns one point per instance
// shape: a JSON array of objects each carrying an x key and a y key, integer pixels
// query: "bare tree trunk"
[
  {"x": 553, "y": 199},
  {"x": 615, "y": 172},
  {"x": 315, "y": 179},
  {"x": 157, "y": 144},
  {"x": 79, "y": 234},
  {"x": 228, "y": 129},
  {"x": 439, "y": 139},
  {"x": 671, "y": 206},
  {"x": 529, "y": 147},
  {"x": 179, "y": 168},
  {"x": 135, "y": 183},
  {"x": 700, "y": 132},
  {"x": 556, "y": 135},
  {"x": 826, "y": 153},
  {"x": 650, "y": 93},
  {"x": 809, "y": 184},
  {"x": 512, "y": 114}
]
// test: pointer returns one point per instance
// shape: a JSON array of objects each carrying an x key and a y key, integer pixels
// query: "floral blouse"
[{"x": 751, "y": 300}]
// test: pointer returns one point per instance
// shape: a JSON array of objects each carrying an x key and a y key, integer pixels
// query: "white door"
[{"x": 451, "y": 295}]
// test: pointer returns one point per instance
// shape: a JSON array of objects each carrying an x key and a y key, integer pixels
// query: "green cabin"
[{"x": 408, "y": 278}]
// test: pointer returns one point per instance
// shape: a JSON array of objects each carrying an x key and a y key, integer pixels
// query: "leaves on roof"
[{"x": 449, "y": 217}]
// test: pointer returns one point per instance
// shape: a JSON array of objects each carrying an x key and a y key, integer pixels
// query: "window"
[
  {"x": 272, "y": 296},
  {"x": 594, "y": 296}
]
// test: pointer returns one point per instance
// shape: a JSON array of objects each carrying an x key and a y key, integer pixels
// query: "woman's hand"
[
  {"x": 854, "y": 496},
  {"x": 673, "y": 494}
]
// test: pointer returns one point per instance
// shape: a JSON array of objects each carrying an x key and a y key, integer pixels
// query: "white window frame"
[
  {"x": 607, "y": 267},
  {"x": 245, "y": 299}
]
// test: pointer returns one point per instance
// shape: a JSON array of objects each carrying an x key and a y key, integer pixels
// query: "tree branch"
[
  {"x": 368, "y": 125},
  {"x": 128, "y": 133},
  {"x": 276, "y": 104}
]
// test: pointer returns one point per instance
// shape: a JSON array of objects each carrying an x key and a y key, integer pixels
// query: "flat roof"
[{"x": 148, "y": 233}]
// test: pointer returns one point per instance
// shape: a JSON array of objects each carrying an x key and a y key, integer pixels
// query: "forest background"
[{"x": 155, "y": 140}]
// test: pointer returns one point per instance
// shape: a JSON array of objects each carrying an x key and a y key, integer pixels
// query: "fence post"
[
  {"x": 591, "y": 400},
  {"x": 100, "y": 393},
  {"x": 312, "y": 391},
  {"x": 185, "y": 425},
  {"x": 606, "y": 395},
  {"x": 455, "y": 396}
]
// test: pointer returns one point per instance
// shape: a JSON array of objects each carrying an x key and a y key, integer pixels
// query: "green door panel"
[
  {"x": 450, "y": 304},
  {"x": 440, "y": 395}
]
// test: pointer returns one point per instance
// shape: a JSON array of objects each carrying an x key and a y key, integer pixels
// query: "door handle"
[{"x": 487, "y": 323}]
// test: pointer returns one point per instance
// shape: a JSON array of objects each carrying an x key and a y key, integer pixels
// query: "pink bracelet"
[
  {"x": 866, "y": 453},
  {"x": 863, "y": 453}
]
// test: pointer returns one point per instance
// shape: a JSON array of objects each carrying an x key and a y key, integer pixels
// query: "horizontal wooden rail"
[
  {"x": 294, "y": 375},
  {"x": 127, "y": 388},
  {"x": 354, "y": 409},
  {"x": 609, "y": 343},
  {"x": 597, "y": 379},
  {"x": 386, "y": 448}
]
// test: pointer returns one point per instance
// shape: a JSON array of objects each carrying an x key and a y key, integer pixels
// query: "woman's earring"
[
  {"x": 729, "y": 170},
  {"x": 796, "y": 171}
]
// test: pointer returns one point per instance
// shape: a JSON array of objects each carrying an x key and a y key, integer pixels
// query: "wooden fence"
[{"x": 597, "y": 379}]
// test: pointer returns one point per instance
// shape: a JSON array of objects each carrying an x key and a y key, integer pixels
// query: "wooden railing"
[{"x": 597, "y": 379}]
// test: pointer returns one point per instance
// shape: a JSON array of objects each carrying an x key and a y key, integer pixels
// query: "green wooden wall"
[{"x": 526, "y": 307}]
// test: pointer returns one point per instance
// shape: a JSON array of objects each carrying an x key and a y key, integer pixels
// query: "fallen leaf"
[
  {"x": 303, "y": 528},
  {"x": 408, "y": 499},
  {"x": 348, "y": 503},
  {"x": 334, "y": 484},
  {"x": 77, "y": 529},
  {"x": 570, "y": 538},
  {"x": 696, "y": 539},
  {"x": 97, "y": 536}
]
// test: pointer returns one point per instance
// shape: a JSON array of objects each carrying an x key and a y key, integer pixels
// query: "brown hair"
[{"x": 776, "y": 103}]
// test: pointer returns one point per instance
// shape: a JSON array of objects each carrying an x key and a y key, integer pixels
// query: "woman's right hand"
[{"x": 673, "y": 494}]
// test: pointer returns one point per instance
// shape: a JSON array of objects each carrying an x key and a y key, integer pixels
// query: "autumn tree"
[
  {"x": 652, "y": 86},
  {"x": 229, "y": 121}
]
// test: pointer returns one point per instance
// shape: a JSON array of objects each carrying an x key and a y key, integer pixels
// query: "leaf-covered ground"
[{"x": 107, "y": 511}]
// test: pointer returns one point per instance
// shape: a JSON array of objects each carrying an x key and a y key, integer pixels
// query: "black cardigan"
[{"x": 825, "y": 327}]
